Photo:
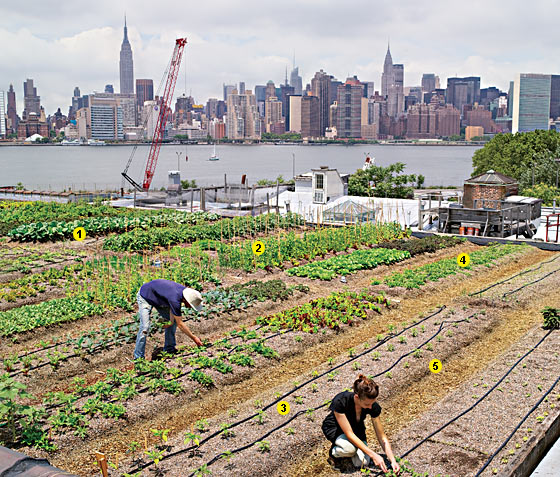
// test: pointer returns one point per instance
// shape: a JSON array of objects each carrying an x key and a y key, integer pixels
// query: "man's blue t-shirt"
[{"x": 163, "y": 294}]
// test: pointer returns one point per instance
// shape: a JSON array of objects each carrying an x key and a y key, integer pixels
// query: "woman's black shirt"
[{"x": 343, "y": 403}]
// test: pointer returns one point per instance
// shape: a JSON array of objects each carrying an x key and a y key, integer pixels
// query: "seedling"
[
  {"x": 192, "y": 437},
  {"x": 264, "y": 446},
  {"x": 201, "y": 425}
]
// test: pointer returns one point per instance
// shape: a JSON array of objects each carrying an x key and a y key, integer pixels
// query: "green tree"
[
  {"x": 187, "y": 184},
  {"x": 388, "y": 182},
  {"x": 545, "y": 192},
  {"x": 520, "y": 155}
]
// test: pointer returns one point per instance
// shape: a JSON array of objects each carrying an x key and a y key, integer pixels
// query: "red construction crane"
[{"x": 164, "y": 109}]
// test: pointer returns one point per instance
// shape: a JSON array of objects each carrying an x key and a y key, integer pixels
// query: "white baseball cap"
[{"x": 193, "y": 298}]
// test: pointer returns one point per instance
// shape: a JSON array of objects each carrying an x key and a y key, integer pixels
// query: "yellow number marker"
[
  {"x": 283, "y": 408},
  {"x": 258, "y": 247},
  {"x": 79, "y": 234},
  {"x": 463, "y": 260},
  {"x": 435, "y": 366}
]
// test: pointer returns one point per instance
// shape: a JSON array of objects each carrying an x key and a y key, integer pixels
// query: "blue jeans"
[{"x": 144, "y": 312}]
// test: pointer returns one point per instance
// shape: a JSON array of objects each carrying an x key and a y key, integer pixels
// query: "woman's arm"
[
  {"x": 384, "y": 442},
  {"x": 357, "y": 442}
]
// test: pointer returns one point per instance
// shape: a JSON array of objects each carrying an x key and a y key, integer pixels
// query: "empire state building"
[{"x": 126, "y": 66}]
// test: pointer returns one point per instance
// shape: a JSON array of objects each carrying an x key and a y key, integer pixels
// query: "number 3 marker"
[
  {"x": 435, "y": 366},
  {"x": 258, "y": 247},
  {"x": 283, "y": 408},
  {"x": 463, "y": 260},
  {"x": 79, "y": 234}
]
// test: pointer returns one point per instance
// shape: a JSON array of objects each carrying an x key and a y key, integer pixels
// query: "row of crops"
[
  {"x": 217, "y": 302},
  {"x": 73, "y": 411},
  {"x": 14, "y": 214},
  {"x": 111, "y": 283}
]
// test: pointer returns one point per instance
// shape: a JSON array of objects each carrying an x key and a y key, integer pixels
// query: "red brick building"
[{"x": 32, "y": 125}]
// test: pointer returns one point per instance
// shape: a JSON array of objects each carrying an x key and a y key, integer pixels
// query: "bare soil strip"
[{"x": 424, "y": 394}]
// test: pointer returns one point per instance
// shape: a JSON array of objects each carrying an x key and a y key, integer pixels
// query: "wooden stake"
[{"x": 102, "y": 462}]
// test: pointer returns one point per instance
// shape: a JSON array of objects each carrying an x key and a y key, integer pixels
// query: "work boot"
[{"x": 335, "y": 463}]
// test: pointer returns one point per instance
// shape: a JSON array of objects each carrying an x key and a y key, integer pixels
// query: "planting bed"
[{"x": 272, "y": 332}]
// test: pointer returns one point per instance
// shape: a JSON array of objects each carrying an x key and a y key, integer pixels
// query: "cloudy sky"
[{"x": 66, "y": 44}]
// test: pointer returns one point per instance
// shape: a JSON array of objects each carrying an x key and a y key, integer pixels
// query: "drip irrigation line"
[
  {"x": 264, "y": 436},
  {"x": 288, "y": 393},
  {"x": 67, "y": 342},
  {"x": 478, "y": 401},
  {"x": 285, "y": 423},
  {"x": 539, "y": 402},
  {"x": 513, "y": 276},
  {"x": 530, "y": 283},
  {"x": 175, "y": 378},
  {"x": 74, "y": 355}
]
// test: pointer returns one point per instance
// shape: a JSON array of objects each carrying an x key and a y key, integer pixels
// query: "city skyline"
[{"x": 228, "y": 46}]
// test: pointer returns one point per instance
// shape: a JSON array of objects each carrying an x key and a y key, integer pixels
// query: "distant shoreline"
[{"x": 405, "y": 143}]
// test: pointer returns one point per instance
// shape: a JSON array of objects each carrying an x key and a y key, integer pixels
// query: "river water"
[{"x": 99, "y": 167}]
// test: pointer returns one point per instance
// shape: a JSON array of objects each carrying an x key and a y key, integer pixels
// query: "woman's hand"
[
  {"x": 378, "y": 461},
  {"x": 395, "y": 465}
]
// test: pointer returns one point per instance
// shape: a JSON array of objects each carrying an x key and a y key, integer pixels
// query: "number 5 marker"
[{"x": 435, "y": 366}]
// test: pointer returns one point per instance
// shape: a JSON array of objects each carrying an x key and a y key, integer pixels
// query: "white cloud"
[{"x": 62, "y": 45}]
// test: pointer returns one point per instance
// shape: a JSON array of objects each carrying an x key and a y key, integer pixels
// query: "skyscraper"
[
  {"x": 369, "y": 87},
  {"x": 228, "y": 89},
  {"x": 387, "y": 75},
  {"x": 295, "y": 81},
  {"x": 321, "y": 87},
  {"x": 531, "y": 102},
  {"x": 144, "y": 91},
  {"x": 349, "y": 110},
  {"x": 32, "y": 102},
  {"x": 242, "y": 116},
  {"x": 310, "y": 116},
  {"x": 428, "y": 82},
  {"x": 126, "y": 66},
  {"x": 462, "y": 91},
  {"x": 554, "y": 96},
  {"x": 12, "y": 111},
  {"x": 392, "y": 85},
  {"x": 3, "y": 115}
]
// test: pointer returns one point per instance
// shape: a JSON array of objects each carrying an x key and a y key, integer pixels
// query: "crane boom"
[{"x": 164, "y": 111}]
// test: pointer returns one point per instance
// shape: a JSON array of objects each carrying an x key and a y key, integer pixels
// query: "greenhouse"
[{"x": 349, "y": 212}]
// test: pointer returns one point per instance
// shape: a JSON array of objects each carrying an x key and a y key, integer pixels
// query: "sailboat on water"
[{"x": 214, "y": 157}]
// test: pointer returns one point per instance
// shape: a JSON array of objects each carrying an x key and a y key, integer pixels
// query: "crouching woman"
[{"x": 345, "y": 427}]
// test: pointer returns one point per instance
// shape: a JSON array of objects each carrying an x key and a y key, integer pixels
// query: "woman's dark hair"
[{"x": 366, "y": 388}]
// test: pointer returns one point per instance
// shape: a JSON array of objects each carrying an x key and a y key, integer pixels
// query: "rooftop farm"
[{"x": 294, "y": 325}]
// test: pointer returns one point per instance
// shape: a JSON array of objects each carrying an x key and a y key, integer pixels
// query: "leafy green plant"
[
  {"x": 263, "y": 446},
  {"x": 551, "y": 318}
]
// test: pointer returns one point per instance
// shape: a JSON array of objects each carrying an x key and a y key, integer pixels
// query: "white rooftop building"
[{"x": 321, "y": 196}]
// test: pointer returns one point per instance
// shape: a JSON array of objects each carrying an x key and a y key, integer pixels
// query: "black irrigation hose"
[
  {"x": 64, "y": 343},
  {"x": 530, "y": 283},
  {"x": 264, "y": 436},
  {"x": 211, "y": 436},
  {"x": 514, "y": 276},
  {"x": 285, "y": 423},
  {"x": 487, "y": 463},
  {"x": 182, "y": 375},
  {"x": 470, "y": 408}
]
